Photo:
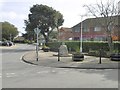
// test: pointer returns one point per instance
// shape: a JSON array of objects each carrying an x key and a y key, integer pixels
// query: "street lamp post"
[
  {"x": 81, "y": 35},
  {"x": 37, "y": 31}
]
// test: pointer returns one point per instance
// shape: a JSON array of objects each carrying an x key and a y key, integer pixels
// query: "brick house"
[
  {"x": 65, "y": 33},
  {"x": 92, "y": 30}
]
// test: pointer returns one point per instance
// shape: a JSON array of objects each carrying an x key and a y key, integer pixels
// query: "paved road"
[{"x": 18, "y": 74}]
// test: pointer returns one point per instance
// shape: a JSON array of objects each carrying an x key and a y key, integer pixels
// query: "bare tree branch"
[{"x": 107, "y": 11}]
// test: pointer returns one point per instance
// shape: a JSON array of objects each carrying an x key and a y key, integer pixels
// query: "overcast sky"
[{"x": 16, "y": 11}]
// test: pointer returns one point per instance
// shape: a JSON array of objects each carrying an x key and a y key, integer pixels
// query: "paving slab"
[{"x": 48, "y": 59}]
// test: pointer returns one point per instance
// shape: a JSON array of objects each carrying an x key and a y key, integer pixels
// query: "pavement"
[{"x": 48, "y": 59}]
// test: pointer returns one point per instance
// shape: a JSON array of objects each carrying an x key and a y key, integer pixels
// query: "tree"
[
  {"x": 108, "y": 11},
  {"x": 54, "y": 35},
  {"x": 9, "y": 31},
  {"x": 45, "y": 18}
]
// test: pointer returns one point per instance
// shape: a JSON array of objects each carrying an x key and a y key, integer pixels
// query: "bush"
[
  {"x": 45, "y": 48},
  {"x": 23, "y": 41},
  {"x": 97, "y": 53}
]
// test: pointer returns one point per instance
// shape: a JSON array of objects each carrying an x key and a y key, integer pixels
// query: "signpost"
[{"x": 37, "y": 31}]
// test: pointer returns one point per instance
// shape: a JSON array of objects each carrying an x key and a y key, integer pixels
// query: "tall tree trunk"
[
  {"x": 110, "y": 43},
  {"x": 46, "y": 39}
]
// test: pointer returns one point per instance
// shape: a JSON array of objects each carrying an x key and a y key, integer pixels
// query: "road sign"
[{"x": 37, "y": 30}]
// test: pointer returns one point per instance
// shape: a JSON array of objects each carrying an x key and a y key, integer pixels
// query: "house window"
[
  {"x": 77, "y": 30},
  {"x": 97, "y": 29},
  {"x": 85, "y": 29}
]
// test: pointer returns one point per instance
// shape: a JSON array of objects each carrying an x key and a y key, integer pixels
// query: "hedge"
[{"x": 75, "y": 45}]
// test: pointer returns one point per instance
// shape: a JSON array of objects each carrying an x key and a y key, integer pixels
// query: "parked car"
[
  {"x": 1, "y": 43},
  {"x": 10, "y": 43},
  {"x": 5, "y": 43}
]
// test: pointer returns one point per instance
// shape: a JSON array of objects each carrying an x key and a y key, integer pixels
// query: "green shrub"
[
  {"x": 73, "y": 46},
  {"x": 97, "y": 53}
]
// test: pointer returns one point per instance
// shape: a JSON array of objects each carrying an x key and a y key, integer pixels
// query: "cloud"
[
  {"x": 12, "y": 15},
  {"x": 16, "y": 11},
  {"x": 8, "y": 15}
]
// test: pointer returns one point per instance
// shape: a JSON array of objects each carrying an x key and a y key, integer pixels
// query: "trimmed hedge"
[{"x": 75, "y": 45}]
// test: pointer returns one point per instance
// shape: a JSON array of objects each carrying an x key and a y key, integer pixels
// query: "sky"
[{"x": 16, "y": 11}]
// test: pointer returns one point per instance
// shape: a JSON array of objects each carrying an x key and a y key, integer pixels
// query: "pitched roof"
[
  {"x": 91, "y": 22},
  {"x": 65, "y": 29}
]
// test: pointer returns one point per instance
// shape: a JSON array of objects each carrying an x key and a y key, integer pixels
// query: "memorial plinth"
[{"x": 63, "y": 51}]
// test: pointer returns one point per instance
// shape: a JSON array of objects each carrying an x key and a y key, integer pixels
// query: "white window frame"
[{"x": 96, "y": 29}]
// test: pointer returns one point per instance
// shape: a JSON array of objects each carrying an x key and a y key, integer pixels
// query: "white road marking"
[
  {"x": 43, "y": 72},
  {"x": 0, "y": 75},
  {"x": 11, "y": 74}
]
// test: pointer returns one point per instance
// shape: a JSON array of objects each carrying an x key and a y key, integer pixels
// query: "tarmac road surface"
[{"x": 18, "y": 74}]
